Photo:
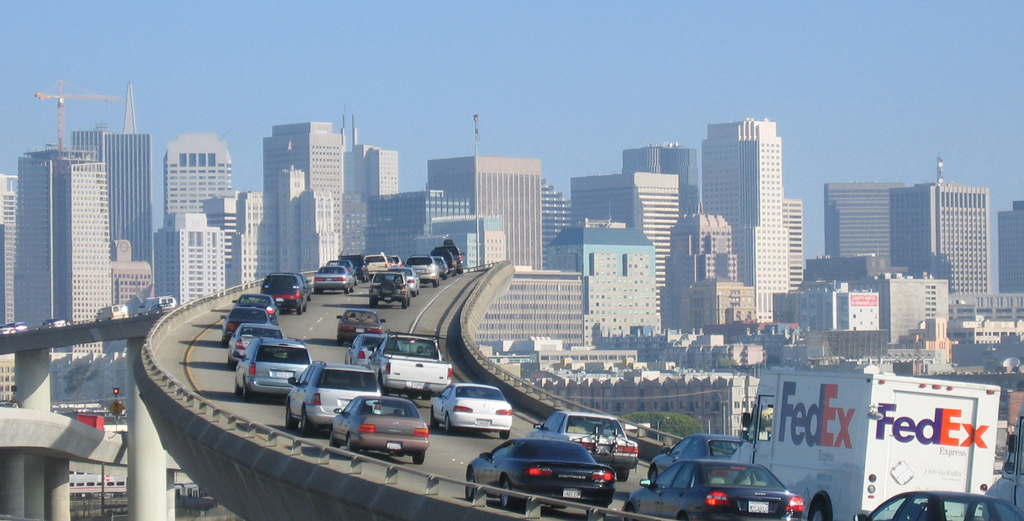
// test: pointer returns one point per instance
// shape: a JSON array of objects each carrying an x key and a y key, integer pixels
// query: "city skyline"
[{"x": 562, "y": 87}]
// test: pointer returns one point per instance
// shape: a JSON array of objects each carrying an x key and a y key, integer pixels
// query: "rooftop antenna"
[
  {"x": 938, "y": 168},
  {"x": 476, "y": 127},
  {"x": 343, "y": 116},
  {"x": 355, "y": 133}
]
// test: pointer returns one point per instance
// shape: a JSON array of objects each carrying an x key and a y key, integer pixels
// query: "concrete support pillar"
[
  {"x": 58, "y": 489},
  {"x": 171, "y": 506},
  {"x": 32, "y": 376},
  {"x": 12, "y": 483},
  {"x": 147, "y": 460},
  {"x": 35, "y": 486}
]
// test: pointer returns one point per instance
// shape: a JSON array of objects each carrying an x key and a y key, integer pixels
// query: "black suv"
[
  {"x": 290, "y": 291},
  {"x": 451, "y": 255},
  {"x": 389, "y": 286},
  {"x": 358, "y": 265}
]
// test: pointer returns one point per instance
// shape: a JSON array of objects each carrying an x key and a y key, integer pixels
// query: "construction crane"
[{"x": 61, "y": 96}]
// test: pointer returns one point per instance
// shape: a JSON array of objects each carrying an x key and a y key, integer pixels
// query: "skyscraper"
[
  {"x": 62, "y": 269},
  {"x": 393, "y": 222},
  {"x": 498, "y": 186},
  {"x": 669, "y": 158},
  {"x": 374, "y": 171},
  {"x": 793, "y": 219},
  {"x": 131, "y": 278},
  {"x": 555, "y": 214},
  {"x": 1011, "y": 249},
  {"x": 701, "y": 250},
  {"x": 197, "y": 167},
  {"x": 857, "y": 218},
  {"x": 128, "y": 158},
  {"x": 189, "y": 257},
  {"x": 241, "y": 219},
  {"x": 314, "y": 149},
  {"x": 644, "y": 201},
  {"x": 305, "y": 237},
  {"x": 742, "y": 182},
  {"x": 942, "y": 229},
  {"x": 8, "y": 235}
]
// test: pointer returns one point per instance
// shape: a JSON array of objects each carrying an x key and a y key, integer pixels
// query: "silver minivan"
[
  {"x": 267, "y": 366},
  {"x": 321, "y": 389}
]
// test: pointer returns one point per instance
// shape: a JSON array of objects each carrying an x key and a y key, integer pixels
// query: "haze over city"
[{"x": 865, "y": 92}]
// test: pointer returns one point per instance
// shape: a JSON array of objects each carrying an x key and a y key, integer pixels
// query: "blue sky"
[{"x": 865, "y": 91}]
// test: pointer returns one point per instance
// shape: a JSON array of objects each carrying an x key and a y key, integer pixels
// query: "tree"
[{"x": 674, "y": 423}]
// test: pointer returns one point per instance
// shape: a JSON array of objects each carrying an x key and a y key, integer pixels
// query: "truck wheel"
[
  {"x": 405, "y": 303},
  {"x": 819, "y": 511}
]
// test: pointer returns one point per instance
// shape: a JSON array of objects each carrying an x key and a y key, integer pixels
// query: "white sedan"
[{"x": 471, "y": 406}]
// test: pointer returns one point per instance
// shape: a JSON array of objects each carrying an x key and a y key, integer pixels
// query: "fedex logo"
[
  {"x": 938, "y": 430},
  {"x": 817, "y": 424}
]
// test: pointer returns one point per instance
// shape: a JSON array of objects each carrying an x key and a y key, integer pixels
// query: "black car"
[
  {"x": 258, "y": 301},
  {"x": 358, "y": 265},
  {"x": 451, "y": 254},
  {"x": 290, "y": 290},
  {"x": 716, "y": 490},
  {"x": 943, "y": 506},
  {"x": 694, "y": 446},
  {"x": 551, "y": 468},
  {"x": 241, "y": 316}
]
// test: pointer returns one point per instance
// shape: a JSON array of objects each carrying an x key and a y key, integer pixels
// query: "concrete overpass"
[{"x": 263, "y": 472}]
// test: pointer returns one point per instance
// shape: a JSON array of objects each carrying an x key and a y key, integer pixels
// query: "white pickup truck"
[{"x": 412, "y": 364}]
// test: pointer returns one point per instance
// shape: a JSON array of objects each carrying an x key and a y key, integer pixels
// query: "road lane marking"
[{"x": 188, "y": 356}]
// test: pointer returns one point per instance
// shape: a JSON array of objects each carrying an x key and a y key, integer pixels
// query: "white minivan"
[{"x": 112, "y": 312}]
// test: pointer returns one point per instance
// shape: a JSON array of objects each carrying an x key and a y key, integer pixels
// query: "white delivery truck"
[
  {"x": 848, "y": 441},
  {"x": 1010, "y": 485}
]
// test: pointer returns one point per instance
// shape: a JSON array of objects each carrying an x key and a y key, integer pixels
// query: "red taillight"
[
  {"x": 368, "y": 428},
  {"x": 461, "y": 408},
  {"x": 628, "y": 449},
  {"x": 315, "y": 400},
  {"x": 421, "y": 433},
  {"x": 537, "y": 471},
  {"x": 589, "y": 445},
  {"x": 232, "y": 326},
  {"x": 270, "y": 310},
  {"x": 298, "y": 294},
  {"x": 387, "y": 368},
  {"x": 361, "y": 355},
  {"x": 374, "y": 330},
  {"x": 984, "y": 487},
  {"x": 252, "y": 368},
  {"x": 450, "y": 373},
  {"x": 504, "y": 412},
  {"x": 346, "y": 328},
  {"x": 796, "y": 504},
  {"x": 716, "y": 498},
  {"x": 239, "y": 344},
  {"x": 602, "y": 475},
  {"x": 319, "y": 279}
]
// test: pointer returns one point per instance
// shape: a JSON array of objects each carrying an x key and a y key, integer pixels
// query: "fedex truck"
[
  {"x": 848, "y": 441},
  {"x": 1010, "y": 485}
]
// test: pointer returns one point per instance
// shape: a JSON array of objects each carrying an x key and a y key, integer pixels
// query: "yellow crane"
[{"x": 61, "y": 96}]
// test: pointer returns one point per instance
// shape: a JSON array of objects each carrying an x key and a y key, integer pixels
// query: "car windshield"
[
  {"x": 353, "y": 380},
  {"x": 283, "y": 354},
  {"x": 592, "y": 425},
  {"x": 722, "y": 448},
  {"x": 482, "y": 393},
  {"x": 414, "y": 347},
  {"x": 253, "y": 300},
  {"x": 977, "y": 509},
  {"x": 546, "y": 450},
  {"x": 361, "y": 317},
  {"x": 264, "y": 332},
  {"x": 418, "y": 261},
  {"x": 247, "y": 315},
  {"x": 386, "y": 407},
  {"x": 740, "y": 475}
]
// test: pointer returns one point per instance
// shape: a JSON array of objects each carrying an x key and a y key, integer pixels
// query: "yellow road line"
[{"x": 188, "y": 357}]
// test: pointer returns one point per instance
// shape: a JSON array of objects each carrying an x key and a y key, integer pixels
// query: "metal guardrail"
[{"x": 340, "y": 460}]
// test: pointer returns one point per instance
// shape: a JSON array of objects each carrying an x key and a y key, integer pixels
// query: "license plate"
[
  {"x": 757, "y": 507},
  {"x": 394, "y": 445},
  {"x": 282, "y": 374},
  {"x": 414, "y": 385},
  {"x": 360, "y": 330},
  {"x": 571, "y": 493},
  {"x": 279, "y": 299},
  {"x": 484, "y": 423}
]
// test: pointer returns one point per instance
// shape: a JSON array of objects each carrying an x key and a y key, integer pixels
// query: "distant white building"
[
  {"x": 827, "y": 306},
  {"x": 197, "y": 167},
  {"x": 190, "y": 257}
]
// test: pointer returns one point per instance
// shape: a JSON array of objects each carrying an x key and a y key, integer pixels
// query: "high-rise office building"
[
  {"x": 130, "y": 277},
  {"x": 314, "y": 149},
  {"x": 619, "y": 290},
  {"x": 793, "y": 219},
  {"x": 480, "y": 239},
  {"x": 8, "y": 234},
  {"x": 942, "y": 229},
  {"x": 393, "y": 222},
  {"x": 642, "y": 200},
  {"x": 669, "y": 158},
  {"x": 197, "y": 167},
  {"x": 189, "y": 257},
  {"x": 714, "y": 302},
  {"x": 555, "y": 214},
  {"x": 497, "y": 186},
  {"x": 128, "y": 157},
  {"x": 353, "y": 235},
  {"x": 742, "y": 182},
  {"x": 905, "y": 302},
  {"x": 538, "y": 304},
  {"x": 241, "y": 218},
  {"x": 1011, "y": 249},
  {"x": 701, "y": 250},
  {"x": 857, "y": 218},
  {"x": 304, "y": 236},
  {"x": 374, "y": 171},
  {"x": 62, "y": 269}
]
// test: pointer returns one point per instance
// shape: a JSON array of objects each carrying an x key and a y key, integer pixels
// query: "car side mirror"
[
  {"x": 485, "y": 455},
  {"x": 745, "y": 420},
  {"x": 234, "y": 301},
  {"x": 538, "y": 426},
  {"x": 666, "y": 450},
  {"x": 646, "y": 483},
  {"x": 339, "y": 411},
  {"x": 291, "y": 380},
  {"x": 1011, "y": 442},
  {"x": 382, "y": 321},
  {"x": 225, "y": 317},
  {"x": 339, "y": 317}
]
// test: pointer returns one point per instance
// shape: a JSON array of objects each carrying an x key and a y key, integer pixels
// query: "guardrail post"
[
  {"x": 391, "y": 475},
  {"x": 532, "y": 508},
  {"x": 479, "y": 496},
  {"x": 594, "y": 514},
  {"x": 433, "y": 485},
  {"x": 296, "y": 448}
]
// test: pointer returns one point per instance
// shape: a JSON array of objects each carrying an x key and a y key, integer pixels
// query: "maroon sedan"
[{"x": 385, "y": 424}]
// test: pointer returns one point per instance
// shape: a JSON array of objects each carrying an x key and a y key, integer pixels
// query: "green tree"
[{"x": 670, "y": 422}]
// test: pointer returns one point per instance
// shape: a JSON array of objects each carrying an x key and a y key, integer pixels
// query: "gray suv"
[
  {"x": 267, "y": 366},
  {"x": 321, "y": 389}
]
